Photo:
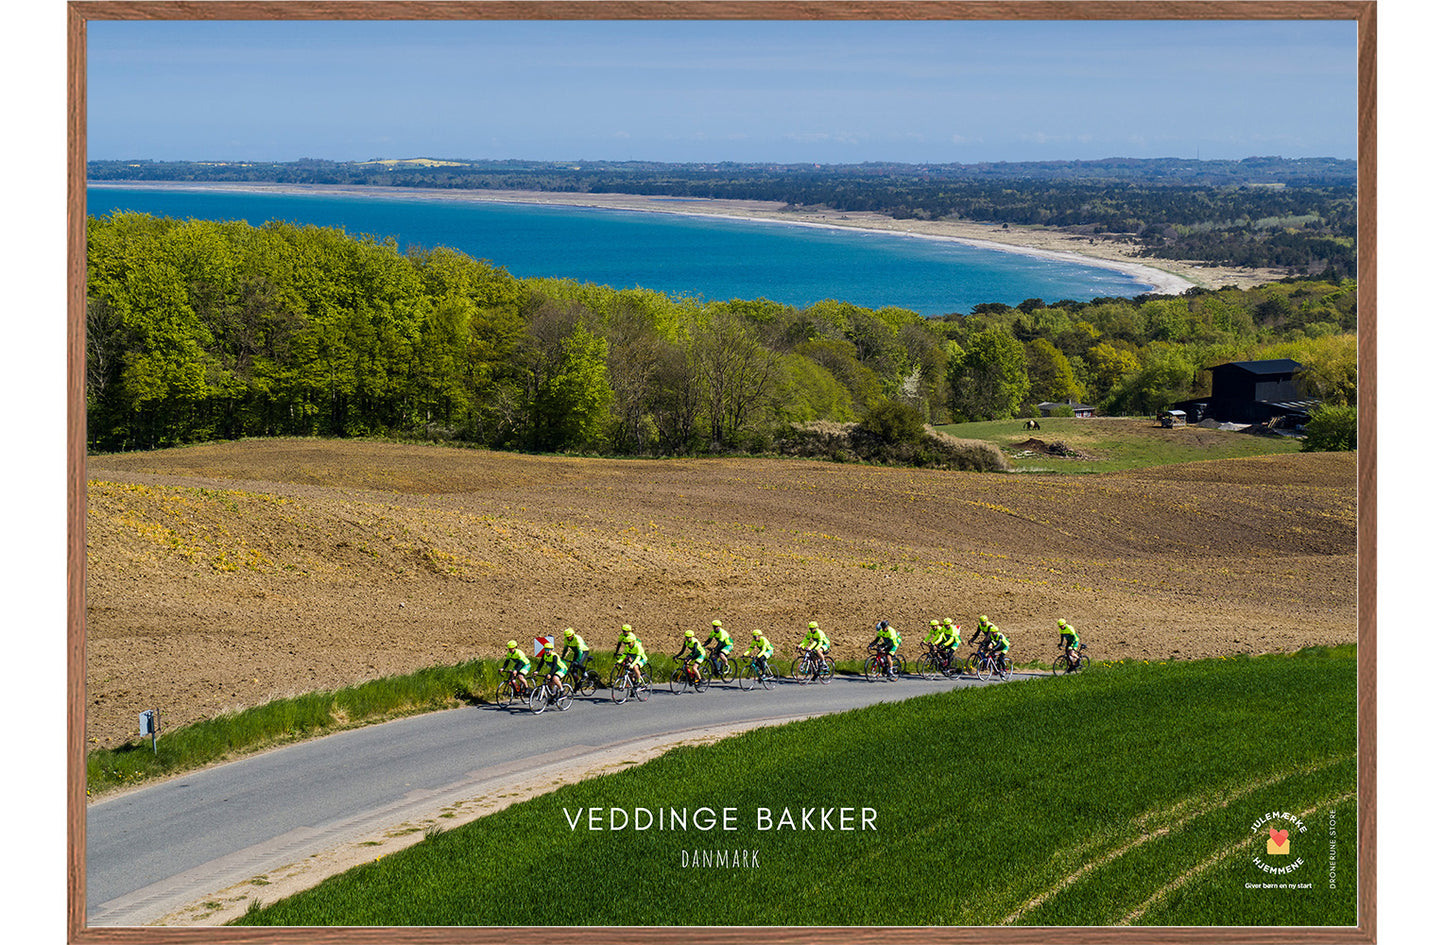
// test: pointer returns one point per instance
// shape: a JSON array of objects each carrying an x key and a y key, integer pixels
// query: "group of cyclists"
[
  {"x": 946, "y": 637},
  {"x": 944, "y": 642}
]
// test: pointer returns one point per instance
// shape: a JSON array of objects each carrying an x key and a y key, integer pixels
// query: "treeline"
[
  {"x": 1298, "y": 215},
  {"x": 202, "y": 330}
]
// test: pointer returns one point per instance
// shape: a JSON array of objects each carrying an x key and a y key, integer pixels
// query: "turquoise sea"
[{"x": 703, "y": 257}]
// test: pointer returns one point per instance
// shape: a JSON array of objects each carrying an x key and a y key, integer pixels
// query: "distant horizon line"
[{"x": 728, "y": 161}]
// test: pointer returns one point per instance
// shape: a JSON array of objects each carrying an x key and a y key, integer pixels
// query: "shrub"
[
  {"x": 849, "y": 442},
  {"x": 1331, "y": 429},
  {"x": 893, "y": 422}
]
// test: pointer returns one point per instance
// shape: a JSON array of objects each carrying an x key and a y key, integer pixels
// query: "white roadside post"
[{"x": 150, "y": 724}]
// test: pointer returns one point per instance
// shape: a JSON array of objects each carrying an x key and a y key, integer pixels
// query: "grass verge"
[
  {"x": 287, "y": 720},
  {"x": 1131, "y": 794}
]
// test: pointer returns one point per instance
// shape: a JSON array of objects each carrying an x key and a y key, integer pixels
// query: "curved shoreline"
[{"x": 1041, "y": 244}]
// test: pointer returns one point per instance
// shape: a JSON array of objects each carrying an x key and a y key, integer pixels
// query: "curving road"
[{"x": 157, "y": 849}]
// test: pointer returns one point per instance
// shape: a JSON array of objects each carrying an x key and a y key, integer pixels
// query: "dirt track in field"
[{"x": 221, "y": 576}]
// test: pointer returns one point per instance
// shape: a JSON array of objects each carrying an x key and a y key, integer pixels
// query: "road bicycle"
[
  {"x": 722, "y": 668},
  {"x": 680, "y": 681},
  {"x": 881, "y": 665},
  {"x": 811, "y": 666},
  {"x": 1001, "y": 665},
  {"x": 974, "y": 663},
  {"x": 933, "y": 664},
  {"x": 509, "y": 692},
  {"x": 758, "y": 671},
  {"x": 584, "y": 680},
  {"x": 547, "y": 694},
  {"x": 1061, "y": 664},
  {"x": 624, "y": 687}
]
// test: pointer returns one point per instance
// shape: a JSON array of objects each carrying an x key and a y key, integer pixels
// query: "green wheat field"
[{"x": 1134, "y": 794}]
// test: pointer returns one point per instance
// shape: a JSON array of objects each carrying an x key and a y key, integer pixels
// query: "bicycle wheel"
[
  {"x": 749, "y": 677},
  {"x": 703, "y": 682},
  {"x": 769, "y": 678},
  {"x": 928, "y": 666},
  {"x": 1006, "y": 667},
  {"x": 620, "y": 685},
  {"x": 564, "y": 698},
  {"x": 537, "y": 701},
  {"x": 900, "y": 665},
  {"x": 504, "y": 694},
  {"x": 644, "y": 689},
  {"x": 1061, "y": 665},
  {"x": 873, "y": 669},
  {"x": 1083, "y": 664},
  {"x": 586, "y": 683},
  {"x": 826, "y": 670},
  {"x": 797, "y": 670},
  {"x": 677, "y": 682}
]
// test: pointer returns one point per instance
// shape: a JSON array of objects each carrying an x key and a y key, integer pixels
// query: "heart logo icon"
[{"x": 1278, "y": 837}]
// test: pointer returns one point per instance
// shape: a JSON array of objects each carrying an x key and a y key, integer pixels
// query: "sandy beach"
[{"x": 1167, "y": 277}]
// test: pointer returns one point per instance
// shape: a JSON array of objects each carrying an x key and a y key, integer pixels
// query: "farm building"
[
  {"x": 1052, "y": 409},
  {"x": 1252, "y": 392}
]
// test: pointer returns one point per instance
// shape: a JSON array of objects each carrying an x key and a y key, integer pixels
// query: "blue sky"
[{"x": 828, "y": 92}]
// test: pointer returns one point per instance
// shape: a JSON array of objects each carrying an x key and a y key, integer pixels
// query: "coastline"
[{"x": 1165, "y": 277}]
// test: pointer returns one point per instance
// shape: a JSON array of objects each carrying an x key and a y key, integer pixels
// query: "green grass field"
[
  {"x": 1133, "y": 794},
  {"x": 1111, "y": 444}
]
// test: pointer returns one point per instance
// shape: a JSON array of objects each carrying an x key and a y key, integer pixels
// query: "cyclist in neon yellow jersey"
[
  {"x": 516, "y": 665},
  {"x": 576, "y": 646},
  {"x": 621, "y": 639},
  {"x": 634, "y": 657},
  {"x": 764, "y": 648},
  {"x": 997, "y": 644},
  {"x": 948, "y": 645},
  {"x": 721, "y": 640},
  {"x": 983, "y": 632},
  {"x": 552, "y": 666},
  {"x": 816, "y": 639},
  {"x": 1069, "y": 637},
  {"x": 692, "y": 655},
  {"x": 887, "y": 641}
]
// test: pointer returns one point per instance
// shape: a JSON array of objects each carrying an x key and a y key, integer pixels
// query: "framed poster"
[{"x": 1031, "y": 344}]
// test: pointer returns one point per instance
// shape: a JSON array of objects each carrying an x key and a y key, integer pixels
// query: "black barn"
[{"x": 1252, "y": 392}]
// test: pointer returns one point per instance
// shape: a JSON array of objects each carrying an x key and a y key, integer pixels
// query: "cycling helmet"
[
  {"x": 568, "y": 633},
  {"x": 717, "y": 623},
  {"x": 933, "y": 623},
  {"x": 511, "y": 644},
  {"x": 689, "y": 634},
  {"x": 1061, "y": 621},
  {"x": 547, "y": 646},
  {"x": 881, "y": 625},
  {"x": 627, "y": 628},
  {"x": 757, "y": 633},
  {"x": 812, "y": 624},
  {"x": 630, "y": 637},
  {"x": 983, "y": 617}
]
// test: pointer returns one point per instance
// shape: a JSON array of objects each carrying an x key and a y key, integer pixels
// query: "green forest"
[
  {"x": 1296, "y": 214},
  {"x": 201, "y": 330}
]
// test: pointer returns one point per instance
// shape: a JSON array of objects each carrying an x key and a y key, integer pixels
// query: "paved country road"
[{"x": 152, "y": 851}]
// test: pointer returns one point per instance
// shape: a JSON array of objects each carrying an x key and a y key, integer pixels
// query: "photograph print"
[{"x": 679, "y": 468}]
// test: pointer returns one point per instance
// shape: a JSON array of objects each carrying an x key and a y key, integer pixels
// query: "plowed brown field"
[{"x": 224, "y": 575}]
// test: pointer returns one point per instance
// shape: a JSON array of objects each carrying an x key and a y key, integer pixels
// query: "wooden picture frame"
[{"x": 82, "y": 13}]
